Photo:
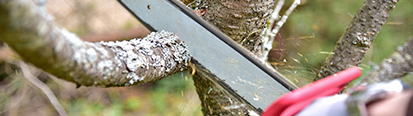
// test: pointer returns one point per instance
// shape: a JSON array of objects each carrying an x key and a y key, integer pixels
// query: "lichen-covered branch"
[
  {"x": 363, "y": 29},
  {"x": 397, "y": 65},
  {"x": 242, "y": 20},
  {"x": 32, "y": 34}
]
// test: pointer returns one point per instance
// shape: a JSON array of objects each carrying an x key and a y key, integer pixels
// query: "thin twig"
[
  {"x": 285, "y": 17},
  {"x": 46, "y": 90},
  {"x": 267, "y": 31},
  {"x": 269, "y": 35},
  {"x": 276, "y": 13}
]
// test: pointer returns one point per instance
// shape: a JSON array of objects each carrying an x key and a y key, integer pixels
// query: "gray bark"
[
  {"x": 397, "y": 65},
  {"x": 363, "y": 29},
  {"x": 29, "y": 30}
]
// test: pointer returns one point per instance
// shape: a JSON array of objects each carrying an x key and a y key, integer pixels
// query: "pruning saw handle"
[{"x": 296, "y": 100}]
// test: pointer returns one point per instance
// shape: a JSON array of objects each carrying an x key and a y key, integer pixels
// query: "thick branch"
[
  {"x": 359, "y": 36},
  {"x": 397, "y": 65},
  {"x": 27, "y": 29}
]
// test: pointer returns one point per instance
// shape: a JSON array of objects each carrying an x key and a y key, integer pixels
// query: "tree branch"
[
  {"x": 363, "y": 29},
  {"x": 28, "y": 29},
  {"x": 271, "y": 32},
  {"x": 397, "y": 65}
]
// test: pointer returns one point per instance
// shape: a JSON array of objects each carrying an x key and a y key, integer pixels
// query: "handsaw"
[{"x": 244, "y": 75}]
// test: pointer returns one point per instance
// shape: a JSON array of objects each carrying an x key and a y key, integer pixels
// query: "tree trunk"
[
  {"x": 353, "y": 45},
  {"x": 29, "y": 30},
  {"x": 242, "y": 20}
]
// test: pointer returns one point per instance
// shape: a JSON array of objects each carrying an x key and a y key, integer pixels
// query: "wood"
[
  {"x": 27, "y": 29},
  {"x": 242, "y": 20},
  {"x": 353, "y": 45},
  {"x": 397, "y": 65}
]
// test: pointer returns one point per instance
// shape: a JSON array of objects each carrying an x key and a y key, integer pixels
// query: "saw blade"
[{"x": 247, "y": 76}]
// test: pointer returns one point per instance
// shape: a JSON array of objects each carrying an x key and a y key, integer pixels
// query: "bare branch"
[
  {"x": 270, "y": 34},
  {"x": 363, "y": 29},
  {"x": 31, "y": 33},
  {"x": 285, "y": 17},
  {"x": 397, "y": 65}
]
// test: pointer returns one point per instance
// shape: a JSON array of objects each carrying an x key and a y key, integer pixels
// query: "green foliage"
[
  {"x": 81, "y": 106},
  {"x": 174, "y": 84},
  {"x": 132, "y": 103}
]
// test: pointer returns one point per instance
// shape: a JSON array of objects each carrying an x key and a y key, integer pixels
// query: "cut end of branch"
[{"x": 151, "y": 58}]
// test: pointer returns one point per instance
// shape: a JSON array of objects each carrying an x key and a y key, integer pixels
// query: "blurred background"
[{"x": 304, "y": 42}]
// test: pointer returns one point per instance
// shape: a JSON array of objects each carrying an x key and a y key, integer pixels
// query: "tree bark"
[
  {"x": 29, "y": 30},
  {"x": 353, "y": 45},
  {"x": 397, "y": 65},
  {"x": 242, "y": 20}
]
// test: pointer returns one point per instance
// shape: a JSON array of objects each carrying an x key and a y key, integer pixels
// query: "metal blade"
[{"x": 247, "y": 76}]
